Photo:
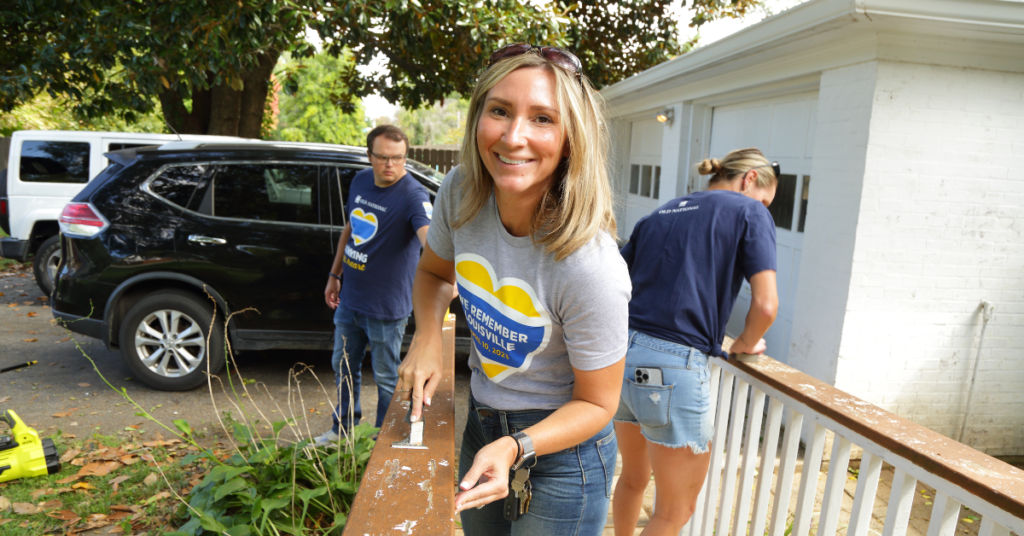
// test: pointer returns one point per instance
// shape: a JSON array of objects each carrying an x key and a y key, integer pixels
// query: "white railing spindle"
[
  {"x": 809, "y": 483},
  {"x": 750, "y": 448},
  {"x": 787, "y": 470},
  {"x": 835, "y": 485},
  {"x": 901, "y": 500}
]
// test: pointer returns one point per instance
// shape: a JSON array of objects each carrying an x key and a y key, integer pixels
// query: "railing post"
[{"x": 412, "y": 491}]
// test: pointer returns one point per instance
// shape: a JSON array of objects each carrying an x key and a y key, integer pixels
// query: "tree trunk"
[
  {"x": 179, "y": 118},
  {"x": 254, "y": 95},
  {"x": 221, "y": 109},
  {"x": 225, "y": 110}
]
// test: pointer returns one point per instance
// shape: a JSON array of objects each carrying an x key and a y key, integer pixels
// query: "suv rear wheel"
[
  {"x": 164, "y": 339},
  {"x": 46, "y": 262}
]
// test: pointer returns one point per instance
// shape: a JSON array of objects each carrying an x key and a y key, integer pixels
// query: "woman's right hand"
[{"x": 420, "y": 371}]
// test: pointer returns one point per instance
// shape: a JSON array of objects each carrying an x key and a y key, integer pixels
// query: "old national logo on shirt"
[{"x": 508, "y": 321}]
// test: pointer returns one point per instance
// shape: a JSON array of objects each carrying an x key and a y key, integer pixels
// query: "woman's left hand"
[{"x": 487, "y": 480}]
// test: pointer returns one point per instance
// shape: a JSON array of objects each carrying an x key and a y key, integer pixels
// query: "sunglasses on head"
[{"x": 560, "y": 57}]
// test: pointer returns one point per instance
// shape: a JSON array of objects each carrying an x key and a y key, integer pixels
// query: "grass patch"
[{"x": 104, "y": 481}]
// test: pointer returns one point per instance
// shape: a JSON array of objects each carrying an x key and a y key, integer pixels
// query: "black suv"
[{"x": 163, "y": 234}]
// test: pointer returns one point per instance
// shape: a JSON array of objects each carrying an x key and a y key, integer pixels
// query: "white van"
[{"x": 45, "y": 169}]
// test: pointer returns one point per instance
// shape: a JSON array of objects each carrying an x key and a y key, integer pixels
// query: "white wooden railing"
[{"x": 753, "y": 476}]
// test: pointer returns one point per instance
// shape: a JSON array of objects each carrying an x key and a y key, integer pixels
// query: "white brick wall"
[
  {"x": 840, "y": 145},
  {"x": 940, "y": 228}
]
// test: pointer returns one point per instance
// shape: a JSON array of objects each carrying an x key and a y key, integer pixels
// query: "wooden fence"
[{"x": 440, "y": 158}]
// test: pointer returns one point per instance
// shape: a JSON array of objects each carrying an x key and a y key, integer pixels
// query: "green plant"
[
  {"x": 272, "y": 488},
  {"x": 269, "y": 484}
]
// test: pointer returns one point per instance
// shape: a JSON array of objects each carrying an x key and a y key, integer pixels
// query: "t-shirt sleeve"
[
  {"x": 758, "y": 246},
  {"x": 595, "y": 315},
  {"x": 439, "y": 236},
  {"x": 421, "y": 210}
]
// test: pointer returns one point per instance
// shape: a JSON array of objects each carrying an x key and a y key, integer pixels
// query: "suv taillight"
[{"x": 82, "y": 220}]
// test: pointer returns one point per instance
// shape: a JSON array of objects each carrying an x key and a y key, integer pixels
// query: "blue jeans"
[
  {"x": 352, "y": 332},
  {"x": 571, "y": 488}
]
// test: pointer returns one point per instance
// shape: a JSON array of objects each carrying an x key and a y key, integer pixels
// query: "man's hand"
[{"x": 331, "y": 292}]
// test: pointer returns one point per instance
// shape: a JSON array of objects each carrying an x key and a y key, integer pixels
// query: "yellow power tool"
[{"x": 23, "y": 454}]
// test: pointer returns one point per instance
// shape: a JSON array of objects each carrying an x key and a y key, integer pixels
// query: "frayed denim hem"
[{"x": 689, "y": 444}]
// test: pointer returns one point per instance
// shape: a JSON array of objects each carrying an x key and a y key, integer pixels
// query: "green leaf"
[
  {"x": 183, "y": 427},
  {"x": 231, "y": 487}
]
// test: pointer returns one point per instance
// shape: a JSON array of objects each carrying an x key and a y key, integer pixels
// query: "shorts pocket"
[{"x": 650, "y": 403}]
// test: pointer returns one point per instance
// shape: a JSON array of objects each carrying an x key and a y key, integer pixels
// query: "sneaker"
[{"x": 326, "y": 439}]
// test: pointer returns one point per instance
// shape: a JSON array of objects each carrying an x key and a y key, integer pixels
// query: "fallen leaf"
[
  {"x": 161, "y": 443},
  {"x": 4, "y": 399},
  {"x": 5, "y": 503},
  {"x": 116, "y": 481},
  {"x": 83, "y": 384},
  {"x": 151, "y": 478},
  {"x": 32, "y": 339},
  {"x": 66, "y": 413},
  {"x": 40, "y": 492},
  {"x": 125, "y": 508},
  {"x": 64, "y": 515},
  {"x": 67, "y": 479},
  {"x": 70, "y": 455},
  {"x": 101, "y": 468},
  {"x": 82, "y": 485},
  {"x": 30, "y": 314},
  {"x": 51, "y": 504},
  {"x": 24, "y": 509}
]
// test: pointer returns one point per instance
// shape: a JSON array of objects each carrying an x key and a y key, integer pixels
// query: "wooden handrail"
[
  {"x": 979, "y": 474},
  {"x": 412, "y": 491}
]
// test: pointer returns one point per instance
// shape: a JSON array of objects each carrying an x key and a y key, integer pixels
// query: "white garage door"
[
  {"x": 644, "y": 173},
  {"x": 784, "y": 130}
]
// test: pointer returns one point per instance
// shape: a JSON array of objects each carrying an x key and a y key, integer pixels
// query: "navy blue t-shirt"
[
  {"x": 380, "y": 257},
  {"x": 687, "y": 261}
]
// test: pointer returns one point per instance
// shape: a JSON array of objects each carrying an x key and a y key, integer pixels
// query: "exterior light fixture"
[{"x": 665, "y": 116}]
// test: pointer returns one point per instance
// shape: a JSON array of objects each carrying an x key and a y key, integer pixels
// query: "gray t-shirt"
[{"x": 533, "y": 319}]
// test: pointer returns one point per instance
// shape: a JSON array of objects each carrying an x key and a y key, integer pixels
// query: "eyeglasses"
[
  {"x": 387, "y": 159},
  {"x": 559, "y": 56},
  {"x": 777, "y": 169}
]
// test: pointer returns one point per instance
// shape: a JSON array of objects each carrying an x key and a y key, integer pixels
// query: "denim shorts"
[
  {"x": 676, "y": 413},
  {"x": 571, "y": 488}
]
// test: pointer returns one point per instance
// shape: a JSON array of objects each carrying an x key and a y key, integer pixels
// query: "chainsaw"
[{"x": 23, "y": 454}]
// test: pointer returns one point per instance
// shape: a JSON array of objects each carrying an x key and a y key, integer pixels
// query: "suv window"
[
  {"x": 178, "y": 184},
  {"x": 55, "y": 161},
  {"x": 267, "y": 192}
]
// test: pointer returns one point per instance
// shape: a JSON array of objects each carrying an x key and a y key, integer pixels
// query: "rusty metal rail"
[{"x": 409, "y": 490}]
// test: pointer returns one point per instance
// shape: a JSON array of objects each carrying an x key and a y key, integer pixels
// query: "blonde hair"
[
  {"x": 579, "y": 203},
  {"x": 738, "y": 163}
]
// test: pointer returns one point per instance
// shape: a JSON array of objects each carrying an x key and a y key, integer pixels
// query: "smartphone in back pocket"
[{"x": 648, "y": 376}]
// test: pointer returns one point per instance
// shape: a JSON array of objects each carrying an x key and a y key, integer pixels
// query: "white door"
[
  {"x": 643, "y": 180},
  {"x": 784, "y": 130}
]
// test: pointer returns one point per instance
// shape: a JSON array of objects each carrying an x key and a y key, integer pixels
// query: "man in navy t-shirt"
[{"x": 388, "y": 216}]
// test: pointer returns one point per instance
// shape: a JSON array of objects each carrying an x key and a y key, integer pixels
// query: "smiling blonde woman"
[{"x": 524, "y": 228}]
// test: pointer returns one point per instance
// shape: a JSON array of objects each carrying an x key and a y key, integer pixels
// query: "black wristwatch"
[{"x": 527, "y": 456}]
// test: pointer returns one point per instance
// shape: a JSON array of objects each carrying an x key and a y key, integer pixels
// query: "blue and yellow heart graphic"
[
  {"x": 364, "y": 225},
  {"x": 508, "y": 321}
]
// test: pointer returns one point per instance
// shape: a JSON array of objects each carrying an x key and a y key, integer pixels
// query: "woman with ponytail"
[{"x": 687, "y": 261}]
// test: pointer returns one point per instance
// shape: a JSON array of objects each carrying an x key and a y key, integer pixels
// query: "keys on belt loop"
[{"x": 520, "y": 492}]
